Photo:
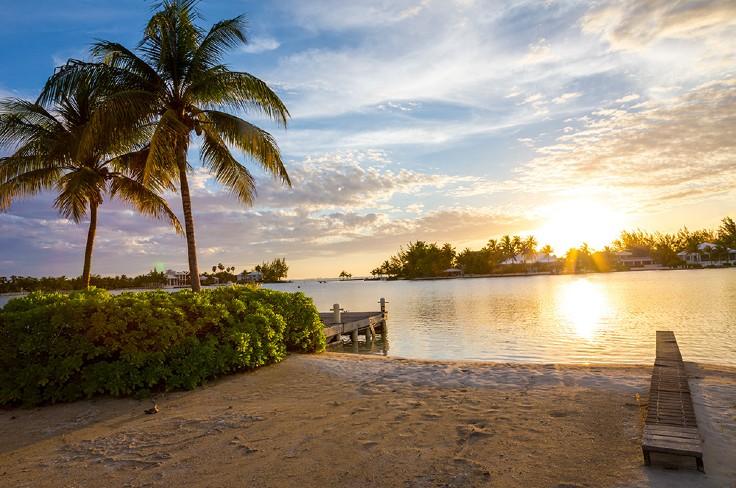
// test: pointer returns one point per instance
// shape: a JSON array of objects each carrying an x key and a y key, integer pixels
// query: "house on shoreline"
[
  {"x": 709, "y": 254},
  {"x": 630, "y": 260},
  {"x": 252, "y": 277},
  {"x": 177, "y": 279}
]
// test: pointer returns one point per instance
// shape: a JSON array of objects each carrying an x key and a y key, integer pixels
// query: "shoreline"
[
  {"x": 352, "y": 420},
  {"x": 431, "y": 278}
]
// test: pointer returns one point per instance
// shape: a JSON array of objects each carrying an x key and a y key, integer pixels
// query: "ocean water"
[{"x": 594, "y": 318}]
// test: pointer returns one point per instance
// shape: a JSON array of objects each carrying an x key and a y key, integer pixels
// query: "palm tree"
[
  {"x": 528, "y": 247},
  {"x": 175, "y": 80},
  {"x": 53, "y": 149},
  {"x": 546, "y": 250}
]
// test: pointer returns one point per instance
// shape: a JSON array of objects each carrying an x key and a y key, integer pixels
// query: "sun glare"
[
  {"x": 571, "y": 223},
  {"x": 583, "y": 304}
]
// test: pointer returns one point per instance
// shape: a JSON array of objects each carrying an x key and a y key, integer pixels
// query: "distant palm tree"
[
  {"x": 53, "y": 149},
  {"x": 528, "y": 247},
  {"x": 510, "y": 246},
  {"x": 177, "y": 82},
  {"x": 546, "y": 250}
]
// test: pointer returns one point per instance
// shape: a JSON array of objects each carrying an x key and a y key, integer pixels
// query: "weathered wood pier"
[
  {"x": 670, "y": 426},
  {"x": 340, "y": 322}
]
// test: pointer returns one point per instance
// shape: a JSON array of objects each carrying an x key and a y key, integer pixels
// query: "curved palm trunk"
[
  {"x": 90, "y": 244},
  {"x": 188, "y": 219}
]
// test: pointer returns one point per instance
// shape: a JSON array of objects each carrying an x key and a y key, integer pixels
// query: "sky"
[{"x": 452, "y": 120}]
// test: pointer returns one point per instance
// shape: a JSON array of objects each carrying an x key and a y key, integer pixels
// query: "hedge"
[{"x": 57, "y": 347}]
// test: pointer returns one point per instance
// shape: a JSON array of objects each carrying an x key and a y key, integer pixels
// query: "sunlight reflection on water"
[{"x": 583, "y": 304}]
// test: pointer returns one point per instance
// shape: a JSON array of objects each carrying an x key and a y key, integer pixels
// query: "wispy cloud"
[
  {"x": 258, "y": 45},
  {"x": 677, "y": 150}
]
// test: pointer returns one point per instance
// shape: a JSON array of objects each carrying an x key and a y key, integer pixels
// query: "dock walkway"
[
  {"x": 670, "y": 426},
  {"x": 339, "y": 323}
]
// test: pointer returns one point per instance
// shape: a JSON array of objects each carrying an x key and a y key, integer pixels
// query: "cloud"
[
  {"x": 258, "y": 45},
  {"x": 677, "y": 150},
  {"x": 539, "y": 51},
  {"x": 340, "y": 180},
  {"x": 466, "y": 55},
  {"x": 566, "y": 97},
  {"x": 628, "y": 98},
  {"x": 634, "y": 24}
]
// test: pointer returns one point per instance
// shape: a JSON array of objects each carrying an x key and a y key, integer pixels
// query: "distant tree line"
[
  {"x": 422, "y": 259},
  {"x": 272, "y": 271},
  {"x": 11, "y": 284},
  {"x": 514, "y": 254}
]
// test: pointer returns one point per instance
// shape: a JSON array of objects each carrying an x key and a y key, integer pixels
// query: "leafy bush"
[{"x": 58, "y": 347}]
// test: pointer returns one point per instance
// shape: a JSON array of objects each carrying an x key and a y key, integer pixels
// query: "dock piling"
[{"x": 339, "y": 322}]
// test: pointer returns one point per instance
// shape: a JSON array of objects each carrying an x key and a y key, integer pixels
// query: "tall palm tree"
[
  {"x": 529, "y": 247},
  {"x": 53, "y": 149},
  {"x": 175, "y": 80}
]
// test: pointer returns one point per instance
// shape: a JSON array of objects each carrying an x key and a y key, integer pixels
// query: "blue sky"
[{"x": 453, "y": 120}]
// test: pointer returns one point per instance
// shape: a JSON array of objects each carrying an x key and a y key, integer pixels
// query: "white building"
[
  {"x": 706, "y": 256},
  {"x": 177, "y": 279},
  {"x": 627, "y": 258},
  {"x": 252, "y": 277}
]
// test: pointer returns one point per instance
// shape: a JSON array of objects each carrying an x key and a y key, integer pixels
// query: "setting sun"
[{"x": 573, "y": 222}]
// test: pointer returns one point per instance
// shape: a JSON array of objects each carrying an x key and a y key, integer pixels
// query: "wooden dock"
[
  {"x": 339, "y": 323},
  {"x": 670, "y": 426}
]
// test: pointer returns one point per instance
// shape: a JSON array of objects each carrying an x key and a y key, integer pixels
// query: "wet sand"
[{"x": 347, "y": 420}]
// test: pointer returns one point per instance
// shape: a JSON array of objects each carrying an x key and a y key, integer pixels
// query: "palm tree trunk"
[
  {"x": 90, "y": 244},
  {"x": 188, "y": 220}
]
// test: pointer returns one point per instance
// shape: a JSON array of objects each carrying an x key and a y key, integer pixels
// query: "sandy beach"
[{"x": 346, "y": 420}]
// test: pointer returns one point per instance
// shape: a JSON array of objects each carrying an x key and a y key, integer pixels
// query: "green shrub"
[{"x": 57, "y": 347}]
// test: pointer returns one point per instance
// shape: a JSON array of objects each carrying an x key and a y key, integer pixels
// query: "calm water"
[
  {"x": 598, "y": 318},
  {"x": 603, "y": 318}
]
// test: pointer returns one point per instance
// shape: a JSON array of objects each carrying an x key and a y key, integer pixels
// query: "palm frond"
[
  {"x": 253, "y": 141},
  {"x": 161, "y": 156},
  {"x": 27, "y": 183},
  {"x": 144, "y": 200},
  {"x": 218, "y": 87},
  {"x": 224, "y": 35},
  {"x": 22, "y": 122},
  {"x": 121, "y": 121},
  {"x": 133, "y": 70},
  {"x": 133, "y": 165},
  {"x": 76, "y": 190},
  {"x": 227, "y": 170}
]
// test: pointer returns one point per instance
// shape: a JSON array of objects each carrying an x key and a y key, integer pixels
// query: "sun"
[{"x": 570, "y": 223}]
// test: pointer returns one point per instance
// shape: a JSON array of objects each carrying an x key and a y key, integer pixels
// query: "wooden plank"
[
  {"x": 670, "y": 438},
  {"x": 686, "y": 442},
  {"x": 684, "y": 430},
  {"x": 673, "y": 432},
  {"x": 674, "y": 448}
]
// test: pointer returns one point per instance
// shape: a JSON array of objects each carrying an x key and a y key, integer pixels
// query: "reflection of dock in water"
[{"x": 354, "y": 324}]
